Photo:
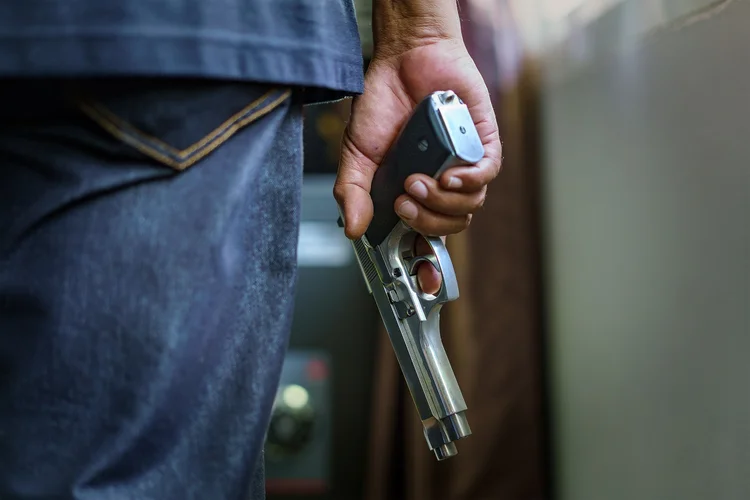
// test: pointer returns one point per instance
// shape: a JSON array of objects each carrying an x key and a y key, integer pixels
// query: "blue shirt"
[{"x": 309, "y": 43}]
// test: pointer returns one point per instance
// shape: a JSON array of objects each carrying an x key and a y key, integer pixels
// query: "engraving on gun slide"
[{"x": 440, "y": 134}]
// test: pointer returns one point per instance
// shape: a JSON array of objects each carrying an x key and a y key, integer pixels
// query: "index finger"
[{"x": 472, "y": 178}]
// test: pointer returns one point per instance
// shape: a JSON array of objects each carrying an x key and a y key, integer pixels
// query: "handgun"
[{"x": 438, "y": 135}]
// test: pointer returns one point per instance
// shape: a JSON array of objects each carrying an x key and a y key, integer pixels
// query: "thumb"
[
  {"x": 356, "y": 210},
  {"x": 352, "y": 189}
]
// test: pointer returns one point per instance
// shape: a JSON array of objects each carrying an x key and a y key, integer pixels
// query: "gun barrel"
[{"x": 412, "y": 321}]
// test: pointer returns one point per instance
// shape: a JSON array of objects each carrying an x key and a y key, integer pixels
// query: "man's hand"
[{"x": 427, "y": 55}]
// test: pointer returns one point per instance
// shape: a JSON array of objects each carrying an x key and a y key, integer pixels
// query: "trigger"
[{"x": 413, "y": 263}]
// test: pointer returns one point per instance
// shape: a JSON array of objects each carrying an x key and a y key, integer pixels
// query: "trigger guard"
[
  {"x": 413, "y": 263},
  {"x": 441, "y": 259}
]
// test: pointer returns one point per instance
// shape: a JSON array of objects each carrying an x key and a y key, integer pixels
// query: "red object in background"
[{"x": 317, "y": 370}]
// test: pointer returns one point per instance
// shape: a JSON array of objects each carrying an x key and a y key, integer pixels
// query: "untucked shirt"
[{"x": 308, "y": 43}]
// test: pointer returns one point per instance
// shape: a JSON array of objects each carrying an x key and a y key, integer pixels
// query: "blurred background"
[{"x": 602, "y": 336}]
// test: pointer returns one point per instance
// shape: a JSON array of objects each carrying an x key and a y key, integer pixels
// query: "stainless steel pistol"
[{"x": 439, "y": 134}]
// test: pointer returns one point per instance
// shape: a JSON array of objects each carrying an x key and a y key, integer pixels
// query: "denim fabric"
[
  {"x": 310, "y": 43},
  {"x": 145, "y": 304}
]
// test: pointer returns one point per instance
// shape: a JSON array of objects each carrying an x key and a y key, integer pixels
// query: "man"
[{"x": 149, "y": 206}]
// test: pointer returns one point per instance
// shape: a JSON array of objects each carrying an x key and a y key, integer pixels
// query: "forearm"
[{"x": 397, "y": 24}]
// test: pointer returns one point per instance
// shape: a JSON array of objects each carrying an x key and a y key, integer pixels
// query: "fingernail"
[
  {"x": 418, "y": 190},
  {"x": 407, "y": 210},
  {"x": 454, "y": 182}
]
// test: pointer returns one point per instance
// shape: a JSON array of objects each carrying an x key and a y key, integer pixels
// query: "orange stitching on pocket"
[
  {"x": 234, "y": 128},
  {"x": 118, "y": 127},
  {"x": 119, "y": 122},
  {"x": 256, "y": 114},
  {"x": 113, "y": 129}
]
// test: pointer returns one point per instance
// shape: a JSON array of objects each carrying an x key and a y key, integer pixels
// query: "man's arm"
[{"x": 398, "y": 23}]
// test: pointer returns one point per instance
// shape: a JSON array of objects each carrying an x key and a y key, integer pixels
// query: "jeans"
[{"x": 148, "y": 235}]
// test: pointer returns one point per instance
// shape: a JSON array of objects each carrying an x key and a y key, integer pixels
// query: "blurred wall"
[{"x": 647, "y": 214}]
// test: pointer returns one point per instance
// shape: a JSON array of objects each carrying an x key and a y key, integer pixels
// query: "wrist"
[{"x": 402, "y": 25}]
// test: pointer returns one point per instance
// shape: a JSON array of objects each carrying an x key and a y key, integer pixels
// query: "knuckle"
[
  {"x": 479, "y": 185},
  {"x": 339, "y": 192},
  {"x": 485, "y": 176}
]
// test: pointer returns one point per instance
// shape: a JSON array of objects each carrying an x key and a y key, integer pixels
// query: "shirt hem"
[{"x": 324, "y": 74}]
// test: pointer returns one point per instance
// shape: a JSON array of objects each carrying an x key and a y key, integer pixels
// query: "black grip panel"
[{"x": 421, "y": 147}]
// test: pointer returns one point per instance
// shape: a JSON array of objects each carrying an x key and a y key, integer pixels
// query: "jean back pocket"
[{"x": 176, "y": 122}]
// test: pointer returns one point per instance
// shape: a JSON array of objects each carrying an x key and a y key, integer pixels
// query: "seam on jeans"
[{"x": 169, "y": 155}]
